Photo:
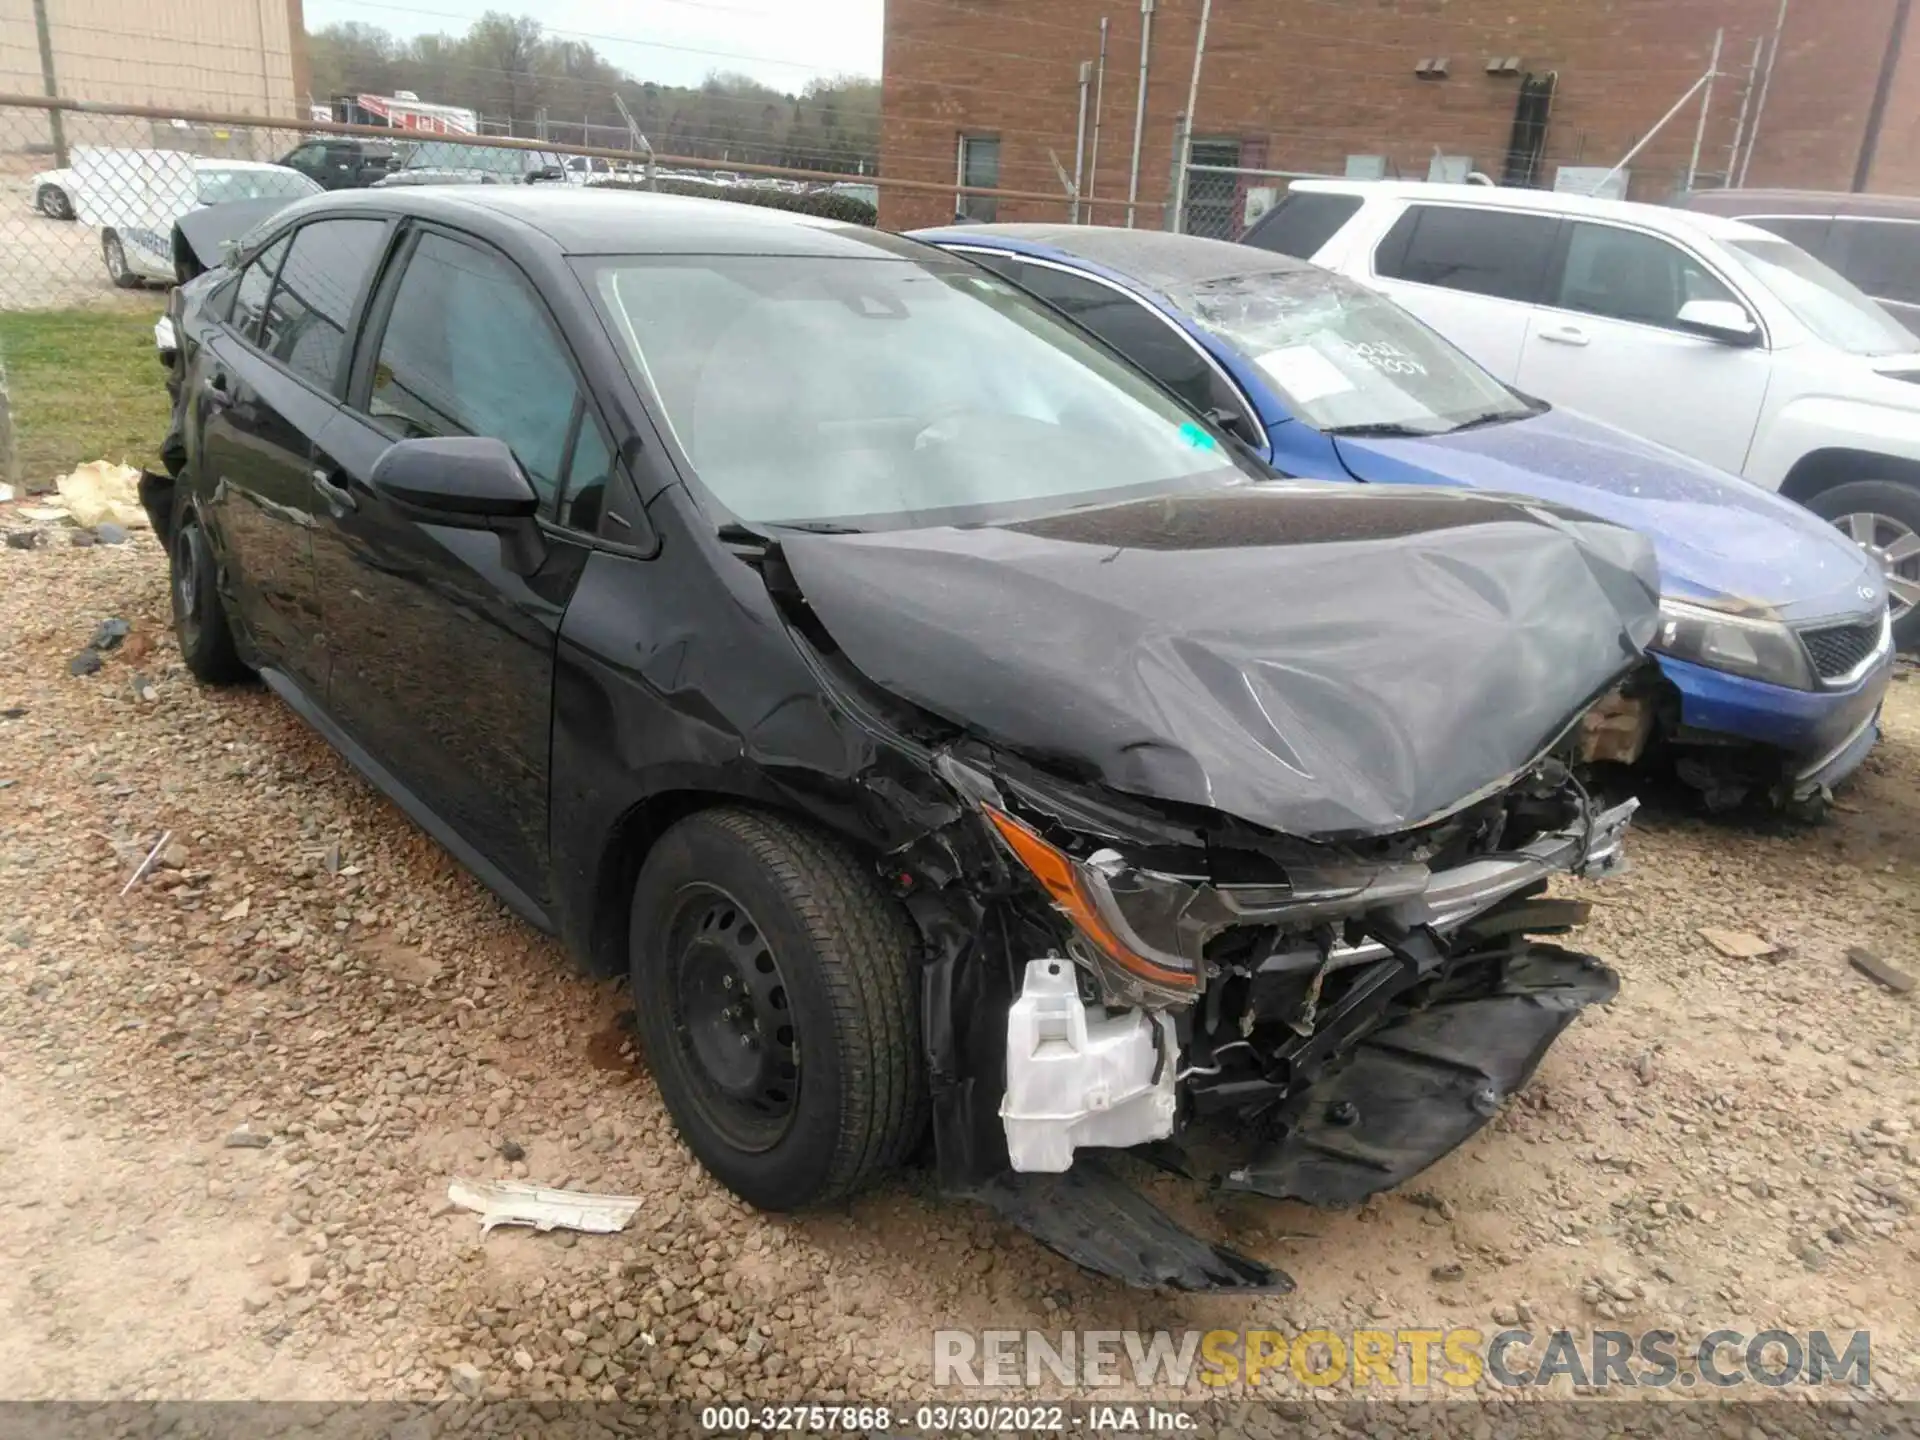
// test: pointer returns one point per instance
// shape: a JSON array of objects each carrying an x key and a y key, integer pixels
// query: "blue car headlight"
[{"x": 1738, "y": 644}]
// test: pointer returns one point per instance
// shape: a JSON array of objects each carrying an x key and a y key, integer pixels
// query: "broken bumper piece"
[
  {"x": 1420, "y": 1087},
  {"x": 1101, "y": 1224}
]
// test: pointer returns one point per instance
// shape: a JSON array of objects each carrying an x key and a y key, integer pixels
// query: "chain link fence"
[{"x": 100, "y": 205}]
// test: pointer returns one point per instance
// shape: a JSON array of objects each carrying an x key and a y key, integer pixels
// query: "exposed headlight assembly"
[
  {"x": 1757, "y": 649},
  {"x": 1146, "y": 933}
]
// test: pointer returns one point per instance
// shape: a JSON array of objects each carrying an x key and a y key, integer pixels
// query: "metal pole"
[
  {"x": 1140, "y": 109},
  {"x": 1171, "y": 219},
  {"x": 1746, "y": 103},
  {"x": 1766, "y": 84},
  {"x": 1706, "y": 104},
  {"x": 1099, "y": 94},
  {"x": 55, "y": 122},
  {"x": 1183, "y": 153},
  {"x": 1647, "y": 139},
  {"x": 1080, "y": 142},
  {"x": 1876, "y": 117}
]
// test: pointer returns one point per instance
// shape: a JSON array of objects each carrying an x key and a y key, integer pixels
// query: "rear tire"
[
  {"x": 199, "y": 614},
  {"x": 52, "y": 202},
  {"x": 114, "y": 252},
  {"x": 1883, "y": 518},
  {"x": 775, "y": 985}
]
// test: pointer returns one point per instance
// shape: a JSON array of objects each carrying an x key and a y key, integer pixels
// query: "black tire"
[
  {"x": 1898, "y": 503},
  {"x": 114, "y": 251},
  {"x": 845, "y": 960},
  {"x": 199, "y": 614},
  {"x": 52, "y": 201}
]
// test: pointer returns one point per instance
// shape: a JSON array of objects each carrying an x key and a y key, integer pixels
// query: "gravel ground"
[{"x": 1730, "y": 1144}]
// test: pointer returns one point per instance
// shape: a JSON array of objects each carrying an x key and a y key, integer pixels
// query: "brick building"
[{"x": 1400, "y": 87}]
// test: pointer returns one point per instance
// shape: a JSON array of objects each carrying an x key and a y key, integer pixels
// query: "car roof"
[
  {"x": 1803, "y": 202},
  {"x": 1550, "y": 202},
  {"x": 606, "y": 220},
  {"x": 1157, "y": 259},
  {"x": 216, "y": 162}
]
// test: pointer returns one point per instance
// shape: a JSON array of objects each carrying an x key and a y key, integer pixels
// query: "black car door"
[
  {"x": 443, "y": 651},
  {"x": 268, "y": 387}
]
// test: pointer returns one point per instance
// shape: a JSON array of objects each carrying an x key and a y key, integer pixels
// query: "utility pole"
[
  {"x": 1876, "y": 117},
  {"x": 1140, "y": 107},
  {"x": 1183, "y": 141},
  {"x": 55, "y": 121}
]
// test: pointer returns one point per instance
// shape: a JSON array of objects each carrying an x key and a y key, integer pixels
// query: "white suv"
[{"x": 1709, "y": 335}]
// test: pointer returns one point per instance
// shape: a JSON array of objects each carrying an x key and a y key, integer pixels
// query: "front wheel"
[
  {"x": 774, "y": 984},
  {"x": 52, "y": 202},
  {"x": 199, "y": 615},
  {"x": 1882, "y": 517},
  {"x": 114, "y": 252}
]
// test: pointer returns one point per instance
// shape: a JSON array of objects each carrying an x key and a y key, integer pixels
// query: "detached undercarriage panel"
[{"x": 1100, "y": 1223}]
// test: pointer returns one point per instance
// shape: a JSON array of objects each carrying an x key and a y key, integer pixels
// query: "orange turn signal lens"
[{"x": 1057, "y": 876}]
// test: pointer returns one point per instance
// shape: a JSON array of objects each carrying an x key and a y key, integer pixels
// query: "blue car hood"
[{"x": 1717, "y": 538}]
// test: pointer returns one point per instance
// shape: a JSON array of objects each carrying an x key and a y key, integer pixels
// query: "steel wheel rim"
[
  {"x": 186, "y": 582},
  {"x": 730, "y": 1017},
  {"x": 1894, "y": 546},
  {"x": 116, "y": 256}
]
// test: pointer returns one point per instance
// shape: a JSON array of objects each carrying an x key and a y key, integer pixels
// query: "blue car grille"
[{"x": 1836, "y": 650}]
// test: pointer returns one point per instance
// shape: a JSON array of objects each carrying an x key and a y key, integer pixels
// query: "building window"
[
  {"x": 1213, "y": 204},
  {"x": 979, "y": 166}
]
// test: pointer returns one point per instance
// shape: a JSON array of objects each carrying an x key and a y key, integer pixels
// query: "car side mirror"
[
  {"x": 471, "y": 482},
  {"x": 1721, "y": 320}
]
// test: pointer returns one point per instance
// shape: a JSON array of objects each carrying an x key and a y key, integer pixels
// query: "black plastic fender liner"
[
  {"x": 1416, "y": 1089},
  {"x": 1101, "y": 1224}
]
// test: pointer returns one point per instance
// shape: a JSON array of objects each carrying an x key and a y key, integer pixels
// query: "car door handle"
[
  {"x": 1566, "y": 335},
  {"x": 216, "y": 388},
  {"x": 330, "y": 484}
]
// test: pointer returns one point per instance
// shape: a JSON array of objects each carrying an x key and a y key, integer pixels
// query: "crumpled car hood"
[{"x": 1321, "y": 660}]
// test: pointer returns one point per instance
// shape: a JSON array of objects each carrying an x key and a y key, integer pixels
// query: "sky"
[{"x": 782, "y": 43}]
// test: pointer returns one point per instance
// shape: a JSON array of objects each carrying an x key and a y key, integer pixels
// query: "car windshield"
[
  {"x": 1822, "y": 300},
  {"x": 492, "y": 159},
  {"x": 219, "y": 186},
  {"x": 887, "y": 393},
  {"x": 1344, "y": 358}
]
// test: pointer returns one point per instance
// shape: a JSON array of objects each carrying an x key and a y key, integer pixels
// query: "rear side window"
[
  {"x": 1303, "y": 222},
  {"x": 256, "y": 282},
  {"x": 1483, "y": 252},
  {"x": 306, "y": 327},
  {"x": 1882, "y": 257}
]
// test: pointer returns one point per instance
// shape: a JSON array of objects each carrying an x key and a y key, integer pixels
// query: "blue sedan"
[{"x": 1775, "y": 648}]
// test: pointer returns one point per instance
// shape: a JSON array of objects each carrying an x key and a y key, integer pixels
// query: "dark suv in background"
[
  {"x": 1873, "y": 240},
  {"x": 342, "y": 162}
]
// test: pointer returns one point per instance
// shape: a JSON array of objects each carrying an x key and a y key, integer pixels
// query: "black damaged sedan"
[{"x": 951, "y": 738}]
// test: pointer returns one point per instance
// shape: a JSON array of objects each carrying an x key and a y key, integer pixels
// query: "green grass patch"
[{"x": 85, "y": 385}]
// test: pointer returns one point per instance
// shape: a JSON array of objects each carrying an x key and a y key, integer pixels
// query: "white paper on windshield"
[{"x": 1304, "y": 373}]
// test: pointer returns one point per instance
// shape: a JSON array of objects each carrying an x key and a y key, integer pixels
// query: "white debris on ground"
[
  {"x": 514, "y": 1202},
  {"x": 103, "y": 493},
  {"x": 1730, "y": 1144}
]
